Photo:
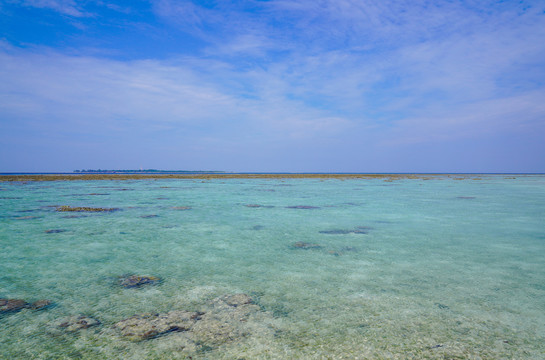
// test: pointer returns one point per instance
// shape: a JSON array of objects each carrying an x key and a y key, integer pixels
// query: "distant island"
[{"x": 146, "y": 171}]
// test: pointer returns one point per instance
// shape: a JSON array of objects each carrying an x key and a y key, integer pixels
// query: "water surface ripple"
[{"x": 438, "y": 268}]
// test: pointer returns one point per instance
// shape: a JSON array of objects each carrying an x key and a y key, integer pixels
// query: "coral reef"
[
  {"x": 134, "y": 281},
  {"x": 76, "y": 323},
  {"x": 356, "y": 230},
  {"x": 147, "y": 326},
  {"x": 55, "y": 231},
  {"x": 304, "y": 207},
  {"x": 306, "y": 245},
  {"x": 14, "y": 305},
  {"x": 225, "y": 320}
]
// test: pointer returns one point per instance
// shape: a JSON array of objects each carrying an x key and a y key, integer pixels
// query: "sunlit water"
[{"x": 438, "y": 269}]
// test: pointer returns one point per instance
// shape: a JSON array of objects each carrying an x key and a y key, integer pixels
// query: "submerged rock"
[
  {"x": 12, "y": 305},
  {"x": 149, "y": 216},
  {"x": 224, "y": 320},
  {"x": 81, "y": 208},
  {"x": 364, "y": 228},
  {"x": 25, "y": 217},
  {"x": 360, "y": 231},
  {"x": 214, "y": 332},
  {"x": 147, "y": 326},
  {"x": 302, "y": 207},
  {"x": 356, "y": 230},
  {"x": 41, "y": 304},
  {"x": 259, "y": 206},
  {"x": 306, "y": 245},
  {"x": 236, "y": 299},
  {"x": 133, "y": 281},
  {"x": 181, "y": 208},
  {"x": 75, "y": 323},
  {"x": 55, "y": 231},
  {"x": 335, "y": 232}
]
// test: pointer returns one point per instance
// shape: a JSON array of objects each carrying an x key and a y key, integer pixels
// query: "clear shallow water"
[{"x": 448, "y": 269}]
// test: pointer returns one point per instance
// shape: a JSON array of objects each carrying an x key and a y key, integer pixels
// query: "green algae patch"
[{"x": 83, "y": 208}]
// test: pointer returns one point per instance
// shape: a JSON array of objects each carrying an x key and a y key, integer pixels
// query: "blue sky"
[{"x": 298, "y": 85}]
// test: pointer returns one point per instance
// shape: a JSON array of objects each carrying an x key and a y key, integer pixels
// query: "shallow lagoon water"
[{"x": 444, "y": 269}]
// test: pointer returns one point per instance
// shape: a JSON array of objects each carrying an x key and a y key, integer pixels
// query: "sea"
[{"x": 436, "y": 267}]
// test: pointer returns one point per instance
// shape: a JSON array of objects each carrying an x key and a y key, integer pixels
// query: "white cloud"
[
  {"x": 517, "y": 115},
  {"x": 66, "y": 7},
  {"x": 85, "y": 95}
]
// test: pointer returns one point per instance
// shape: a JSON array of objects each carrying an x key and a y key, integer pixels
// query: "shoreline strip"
[{"x": 63, "y": 177}]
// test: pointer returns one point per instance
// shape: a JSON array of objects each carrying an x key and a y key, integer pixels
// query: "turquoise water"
[{"x": 439, "y": 269}]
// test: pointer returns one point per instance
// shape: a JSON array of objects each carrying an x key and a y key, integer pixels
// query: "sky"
[{"x": 273, "y": 86}]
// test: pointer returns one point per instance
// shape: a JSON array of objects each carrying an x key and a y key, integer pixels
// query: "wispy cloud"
[
  {"x": 514, "y": 115},
  {"x": 66, "y": 7},
  {"x": 96, "y": 96}
]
